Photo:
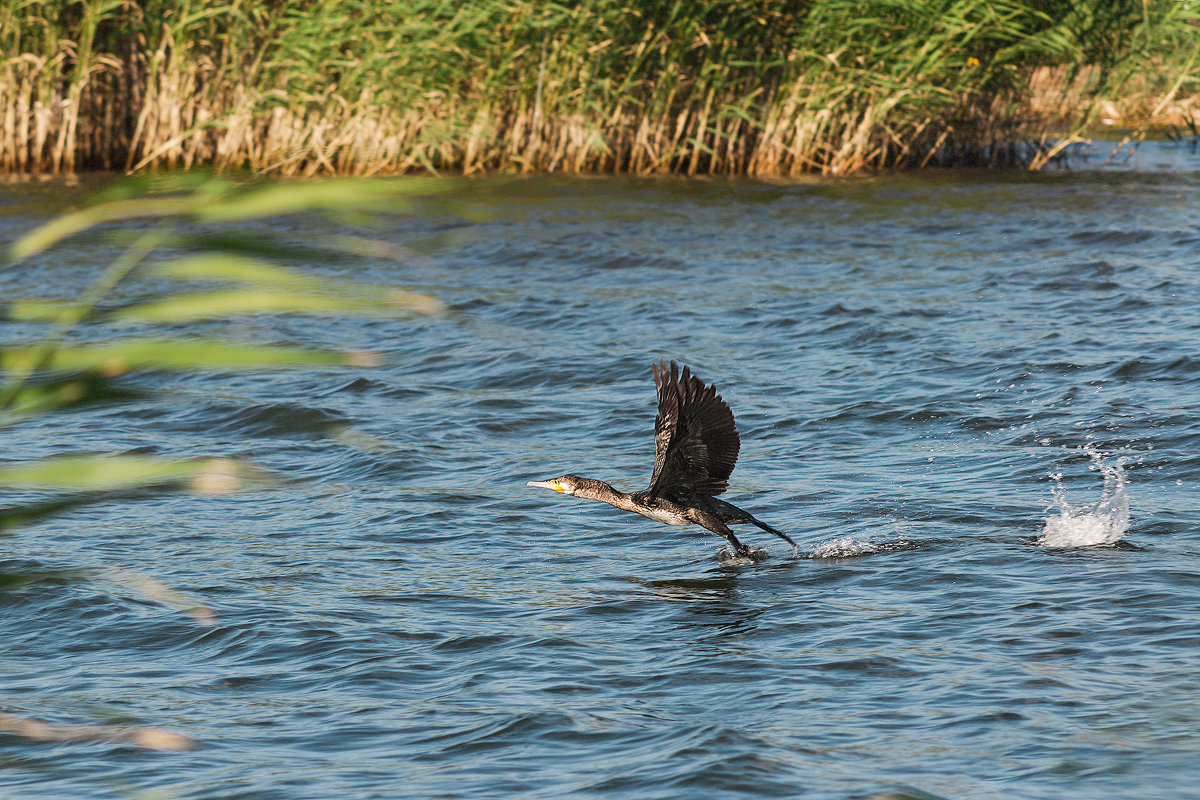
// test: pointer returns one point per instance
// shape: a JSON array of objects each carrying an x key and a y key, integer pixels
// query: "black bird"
[{"x": 695, "y": 448}]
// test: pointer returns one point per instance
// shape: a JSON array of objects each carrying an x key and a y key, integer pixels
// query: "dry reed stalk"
[
  {"x": 25, "y": 146},
  {"x": 598, "y": 86},
  {"x": 473, "y": 146},
  {"x": 698, "y": 133},
  {"x": 588, "y": 142},
  {"x": 769, "y": 146}
]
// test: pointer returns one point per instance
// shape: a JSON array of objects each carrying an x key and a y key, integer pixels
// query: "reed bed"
[{"x": 769, "y": 87}]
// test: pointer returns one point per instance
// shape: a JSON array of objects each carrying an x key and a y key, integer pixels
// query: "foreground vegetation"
[
  {"x": 182, "y": 266},
  {"x": 770, "y": 87}
]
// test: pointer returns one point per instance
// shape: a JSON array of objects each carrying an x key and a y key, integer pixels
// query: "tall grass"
[{"x": 769, "y": 87}]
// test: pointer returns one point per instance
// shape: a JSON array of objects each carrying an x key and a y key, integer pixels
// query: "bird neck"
[{"x": 599, "y": 490}]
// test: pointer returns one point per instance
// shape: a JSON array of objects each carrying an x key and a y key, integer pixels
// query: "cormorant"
[{"x": 695, "y": 448}]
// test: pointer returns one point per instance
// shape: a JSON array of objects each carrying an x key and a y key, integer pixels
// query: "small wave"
[{"x": 1102, "y": 522}]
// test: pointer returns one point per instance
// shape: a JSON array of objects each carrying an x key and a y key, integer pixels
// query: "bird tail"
[{"x": 775, "y": 531}]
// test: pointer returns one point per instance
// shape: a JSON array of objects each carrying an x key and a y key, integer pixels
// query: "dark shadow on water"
[{"x": 725, "y": 583}]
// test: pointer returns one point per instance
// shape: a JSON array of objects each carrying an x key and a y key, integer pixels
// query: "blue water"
[{"x": 948, "y": 386}]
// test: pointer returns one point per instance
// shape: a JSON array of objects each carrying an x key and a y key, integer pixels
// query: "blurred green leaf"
[
  {"x": 36, "y": 310},
  {"x": 68, "y": 390},
  {"x": 213, "y": 305},
  {"x": 250, "y": 244},
  {"x": 19, "y": 516},
  {"x": 382, "y": 194},
  {"x": 311, "y": 294},
  {"x": 232, "y": 268},
  {"x": 125, "y": 355},
  {"x": 213, "y": 202},
  {"x": 90, "y": 473},
  {"x": 376, "y": 301},
  {"x": 198, "y": 182},
  {"x": 70, "y": 224}
]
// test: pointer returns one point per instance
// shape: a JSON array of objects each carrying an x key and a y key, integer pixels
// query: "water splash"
[
  {"x": 728, "y": 557},
  {"x": 1102, "y": 522},
  {"x": 845, "y": 547},
  {"x": 850, "y": 547}
]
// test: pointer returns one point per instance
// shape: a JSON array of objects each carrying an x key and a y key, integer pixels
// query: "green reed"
[{"x": 770, "y": 87}]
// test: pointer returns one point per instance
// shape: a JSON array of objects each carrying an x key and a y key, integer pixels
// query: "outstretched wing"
[{"x": 695, "y": 439}]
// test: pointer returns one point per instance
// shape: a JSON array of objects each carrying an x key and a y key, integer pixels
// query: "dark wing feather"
[{"x": 695, "y": 439}]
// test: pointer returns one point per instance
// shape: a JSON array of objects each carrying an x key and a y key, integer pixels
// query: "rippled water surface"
[{"x": 932, "y": 376}]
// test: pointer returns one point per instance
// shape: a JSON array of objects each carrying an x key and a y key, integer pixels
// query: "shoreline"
[{"x": 1105, "y": 145}]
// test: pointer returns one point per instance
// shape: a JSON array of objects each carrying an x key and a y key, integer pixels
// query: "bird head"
[{"x": 567, "y": 484}]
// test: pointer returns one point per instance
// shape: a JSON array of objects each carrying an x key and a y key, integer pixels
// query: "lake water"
[{"x": 972, "y": 398}]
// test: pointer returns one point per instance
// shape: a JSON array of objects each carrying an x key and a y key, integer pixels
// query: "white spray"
[{"x": 1102, "y": 522}]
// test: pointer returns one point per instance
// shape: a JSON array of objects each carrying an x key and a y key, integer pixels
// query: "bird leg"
[
  {"x": 775, "y": 531},
  {"x": 732, "y": 515},
  {"x": 714, "y": 524}
]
